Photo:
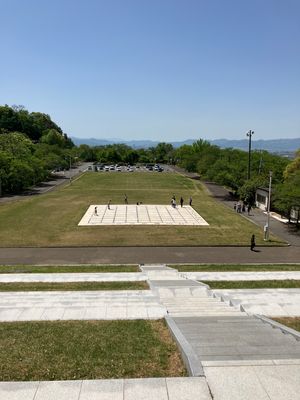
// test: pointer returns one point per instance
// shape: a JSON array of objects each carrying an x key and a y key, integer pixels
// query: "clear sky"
[{"x": 155, "y": 69}]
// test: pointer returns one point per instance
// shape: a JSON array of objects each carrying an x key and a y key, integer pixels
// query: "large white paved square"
[{"x": 143, "y": 214}]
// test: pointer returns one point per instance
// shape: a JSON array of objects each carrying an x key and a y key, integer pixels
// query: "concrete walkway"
[
  {"x": 74, "y": 277},
  {"x": 242, "y": 276},
  {"x": 114, "y": 389},
  {"x": 77, "y": 305},
  {"x": 264, "y": 382}
]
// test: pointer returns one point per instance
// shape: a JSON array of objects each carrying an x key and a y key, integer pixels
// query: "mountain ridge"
[{"x": 272, "y": 145}]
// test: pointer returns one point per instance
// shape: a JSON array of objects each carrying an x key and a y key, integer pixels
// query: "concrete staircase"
[
  {"x": 217, "y": 332},
  {"x": 236, "y": 338}
]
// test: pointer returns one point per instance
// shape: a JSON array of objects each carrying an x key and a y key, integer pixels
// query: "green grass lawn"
[
  {"x": 33, "y": 351},
  {"x": 69, "y": 286},
  {"x": 236, "y": 267},
  {"x": 284, "y": 284},
  {"x": 47, "y": 269},
  {"x": 291, "y": 322},
  {"x": 52, "y": 219}
]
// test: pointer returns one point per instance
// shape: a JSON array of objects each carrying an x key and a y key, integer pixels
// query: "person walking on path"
[
  {"x": 95, "y": 211},
  {"x": 249, "y": 209},
  {"x": 181, "y": 201},
  {"x": 108, "y": 204},
  {"x": 252, "y": 245},
  {"x": 126, "y": 199},
  {"x": 190, "y": 201}
]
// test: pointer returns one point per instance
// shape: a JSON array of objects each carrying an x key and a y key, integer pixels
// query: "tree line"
[{"x": 31, "y": 146}]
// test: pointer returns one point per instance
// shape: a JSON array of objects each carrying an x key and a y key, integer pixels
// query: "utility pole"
[
  {"x": 260, "y": 163},
  {"x": 267, "y": 226},
  {"x": 70, "y": 170},
  {"x": 249, "y": 134}
]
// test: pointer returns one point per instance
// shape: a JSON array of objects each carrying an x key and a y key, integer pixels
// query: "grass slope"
[
  {"x": 48, "y": 269},
  {"x": 33, "y": 351},
  {"x": 284, "y": 284},
  {"x": 69, "y": 286},
  {"x": 236, "y": 267},
  {"x": 291, "y": 322},
  {"x": 52, "y": 219}
]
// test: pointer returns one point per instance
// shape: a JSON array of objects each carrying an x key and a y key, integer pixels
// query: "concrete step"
[
  {"x": 237, "y": 338},
  {"x": 247, "y": 350}
]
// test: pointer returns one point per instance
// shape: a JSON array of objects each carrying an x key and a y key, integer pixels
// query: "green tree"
[{"x": 287, "y": 195}]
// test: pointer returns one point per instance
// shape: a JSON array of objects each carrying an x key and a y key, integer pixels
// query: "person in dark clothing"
[
  {"x": 181, "y": 201},
  {"x": 190, "y": 201},
  {"x": 249, "y": 208},
  {"x": 252, "y": 245}
]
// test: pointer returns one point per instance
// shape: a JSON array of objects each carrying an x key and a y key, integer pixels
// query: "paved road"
[{"x": 138, "y": 255}]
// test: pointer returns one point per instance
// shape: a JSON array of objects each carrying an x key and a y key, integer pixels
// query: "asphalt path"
[{"x": 145, "y": 255}]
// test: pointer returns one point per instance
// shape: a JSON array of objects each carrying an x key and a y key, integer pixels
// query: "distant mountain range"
[{"x": 272, "y": 145}]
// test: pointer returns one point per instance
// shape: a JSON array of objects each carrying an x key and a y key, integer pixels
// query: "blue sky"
[{"x": 156, "y": 69}]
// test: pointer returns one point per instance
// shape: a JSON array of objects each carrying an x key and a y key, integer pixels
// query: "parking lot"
[{"x": 129, "y": 168}]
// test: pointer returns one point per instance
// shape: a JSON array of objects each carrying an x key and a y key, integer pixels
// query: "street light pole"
[
  {"x": 70, "y": 169},
  {"x": 249, "y": 134},
  {"x": 267, "y": 227}
]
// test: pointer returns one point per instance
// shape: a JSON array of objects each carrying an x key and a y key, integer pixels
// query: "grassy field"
[
  {"x": 236, "y": 267},
  {"x": 47, "y": 269},
  {"x": 52, "y": 219},
  {"x": 32, "y": 351},
  {"x": 284, "y": 284},
  {"x": 291, "y": 322},
  {"x": 69, "y": 286}
]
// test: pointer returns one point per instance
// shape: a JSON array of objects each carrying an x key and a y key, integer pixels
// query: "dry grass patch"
[
  {"x": 291, "y": 322},
  {"x": 32, "y": 351}
]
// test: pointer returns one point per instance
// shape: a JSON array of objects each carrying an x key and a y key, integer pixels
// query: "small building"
[
  {"x": 261, "y": 201},
  {"x": 295, "y": 214},
  {"x": 262, "y": 198}
]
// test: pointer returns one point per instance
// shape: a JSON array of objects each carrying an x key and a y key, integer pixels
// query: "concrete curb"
[
  {"x": 276, "y": 324},
  {"x": 190, "y": 359}
]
